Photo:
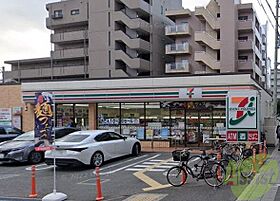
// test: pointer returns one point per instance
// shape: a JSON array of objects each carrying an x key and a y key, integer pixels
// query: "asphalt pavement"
[{"x": 129, "y": 179}]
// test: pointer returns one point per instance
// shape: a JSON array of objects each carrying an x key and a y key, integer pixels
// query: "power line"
[
  {"x": 270, "y": 8},
  {"x": 260, "y": 3}
]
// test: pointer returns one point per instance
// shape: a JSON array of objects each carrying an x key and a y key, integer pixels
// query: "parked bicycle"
[{"x": 204, "y": 167}]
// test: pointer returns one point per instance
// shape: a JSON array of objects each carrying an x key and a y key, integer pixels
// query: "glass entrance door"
[
  {"x": 177, "y": 128},
  {"x": 192, "y": 127}
]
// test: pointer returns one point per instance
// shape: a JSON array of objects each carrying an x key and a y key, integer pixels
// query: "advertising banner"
[
  {"x": 5, "y": 116},
  {"x": 43, "y": 117},
  {"x": 242, "y": 116}
]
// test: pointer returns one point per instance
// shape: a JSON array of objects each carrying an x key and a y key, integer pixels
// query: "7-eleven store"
[{"x": 168, "y": 111}]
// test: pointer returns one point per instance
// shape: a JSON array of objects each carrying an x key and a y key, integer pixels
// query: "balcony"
[
  {"x": 46, "y": 72},
  {"x": 206, "y": 38},
  {"x": 205, "y": 14},
  {"x": 202, "y": 56},
  {"x": 174, "y": 14},
  {"x": 245, "y": 64},
  {"x": 133, "y": 23},
  {"x": 180, "y": 29},
  {"x": 70, "y": 53},
  {"x": 134, "y": 63},
  {"x": 245, "y": 25},
  {"x": 245, "y": 45},
  {"x": 138, "y": 5},
  {"x": 183, "y": 48},
  {"x": 67, "y": 37},
  {"x": 132, "y": 43},
  {"x": 178, "y": 67}
]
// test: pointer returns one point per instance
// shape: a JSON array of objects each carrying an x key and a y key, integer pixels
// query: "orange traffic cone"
[
  {"x": 254, "y": 161},
  {"x": 98, "y": 186},
  {"x": 260, "y": 155},
  {"x": 33, "y": 193}
]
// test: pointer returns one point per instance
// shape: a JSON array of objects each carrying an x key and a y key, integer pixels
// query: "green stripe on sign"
[{"x": 214, "y": 92}]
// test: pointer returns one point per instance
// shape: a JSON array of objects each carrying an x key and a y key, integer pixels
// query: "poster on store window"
[{"x": 43, "y": 117}]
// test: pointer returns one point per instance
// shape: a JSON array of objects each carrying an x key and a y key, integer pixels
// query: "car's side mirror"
[{"x": 124, "y": 137}]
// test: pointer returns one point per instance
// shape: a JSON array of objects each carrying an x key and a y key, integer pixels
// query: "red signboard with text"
[{"x": 232, "y": 136}]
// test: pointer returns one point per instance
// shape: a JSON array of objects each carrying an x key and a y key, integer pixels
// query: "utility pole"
[
  {"x": 3, "y": 74},
  {"x": 277, "y": 45}
]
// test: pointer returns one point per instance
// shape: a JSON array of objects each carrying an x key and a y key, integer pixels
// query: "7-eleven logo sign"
[{"x": 242, "y": 110}]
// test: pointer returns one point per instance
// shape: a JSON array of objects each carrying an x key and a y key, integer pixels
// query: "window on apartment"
[
  {"x": 242, "y": 58},
  {"x": 243, "y": 17},
  {"x": 243, "y": 38},
  {"x": 109, "y": 19},
  {"x": 161, "y": 9},
  {"x": 57, "y": 14},
  {"x": 218, "y": 35},
  {"x": 75, "y": 12},
  {"x": 218, "y": 15}
]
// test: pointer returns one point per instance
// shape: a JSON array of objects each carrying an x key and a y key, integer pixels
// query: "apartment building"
[
  {"x": 101, "y": 39},
  {"x": 223, "y": 37},
  {"x": 278, "y": 82}
]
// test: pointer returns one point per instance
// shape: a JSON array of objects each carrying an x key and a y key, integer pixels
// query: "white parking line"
[
  {"x": 40, "y": 167},
  {"x": 7, "y": 176},
  {"x": 150, "y": 170},
  {"x": 119, "y": 169},
  {"x": 122, "y": 162}
]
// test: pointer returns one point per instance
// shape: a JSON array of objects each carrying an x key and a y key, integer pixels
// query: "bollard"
[
  {"x": 219, "y": 157},
  {"x": 98, "y": 186},
  {"x": 264, "y": 150},
  {"x": 33, "y": 193},
  {"x": 260, "y": 155},
  {"x": 254, "y": 160},
  {"x": 183, "y": 180}
]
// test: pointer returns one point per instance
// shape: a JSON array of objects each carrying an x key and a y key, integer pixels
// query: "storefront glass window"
[
  {"x": 157, "y": 122},
  {"x": 63, "y": 114},
  {"x": 219, "y": 123},
  {"x": 81, "y": 116},
  {"x": 109, "y": 116},
  {"x": 132, "y": 119}
]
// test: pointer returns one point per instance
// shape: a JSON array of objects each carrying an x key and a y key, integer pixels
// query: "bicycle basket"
[{"x": 179, "y": 155}]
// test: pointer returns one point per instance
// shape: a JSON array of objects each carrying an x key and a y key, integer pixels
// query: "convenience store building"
[{"x": 169, "y": 111}]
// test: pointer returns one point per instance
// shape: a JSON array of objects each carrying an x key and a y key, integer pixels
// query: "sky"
[{"x": 24, "y": 34}]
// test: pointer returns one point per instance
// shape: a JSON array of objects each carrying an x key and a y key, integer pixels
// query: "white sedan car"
[{"x": 91, "y": 147}]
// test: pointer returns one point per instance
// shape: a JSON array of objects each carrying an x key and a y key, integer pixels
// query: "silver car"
[{"x": 22, "y": 148}]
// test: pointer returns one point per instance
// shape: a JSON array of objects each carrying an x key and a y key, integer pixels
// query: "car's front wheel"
[
  {"x": 136, "y": 149},
  {"x": 35, "y": 157},
  {"x": 97, "y": 159}
]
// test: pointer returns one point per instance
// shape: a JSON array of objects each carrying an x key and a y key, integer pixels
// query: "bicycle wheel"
[
  {"x": 228, "y": 166},
  {"x": 214, "y": 174},
  {"x": 176, "y": 176},
  {"x": 246, "y": 167}
]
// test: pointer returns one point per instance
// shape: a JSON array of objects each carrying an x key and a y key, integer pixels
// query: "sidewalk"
[
  {"x": 170, "y": 149},
  {"x": 273, "y": 193}
]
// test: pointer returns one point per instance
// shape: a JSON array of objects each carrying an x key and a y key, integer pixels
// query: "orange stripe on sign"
[{"x": 237, "y": 99}]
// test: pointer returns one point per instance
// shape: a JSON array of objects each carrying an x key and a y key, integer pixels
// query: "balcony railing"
[
  {"x": 177, "y": 29},
  {"x": 177, "y": 67},
  {"x": 177, "y": 48}
]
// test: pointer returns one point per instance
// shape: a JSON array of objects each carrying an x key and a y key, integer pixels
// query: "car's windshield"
[
  {"x": 73, "y": 138},
  {"x": 28, "y": 136}
]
